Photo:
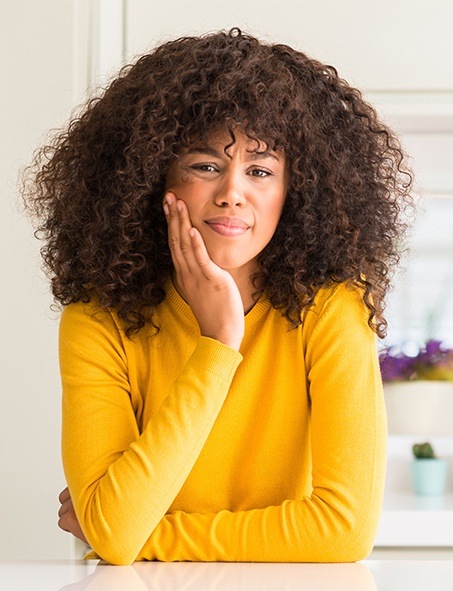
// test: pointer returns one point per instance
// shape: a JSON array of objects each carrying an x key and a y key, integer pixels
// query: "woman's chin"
[
  {"x": 228, "y": 261},
  {"x": 226, "y": 264},
  {"x": 231, "y": 257}
]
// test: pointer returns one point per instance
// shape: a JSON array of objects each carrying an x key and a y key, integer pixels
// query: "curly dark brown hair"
[{"x": 97, "y": 188}]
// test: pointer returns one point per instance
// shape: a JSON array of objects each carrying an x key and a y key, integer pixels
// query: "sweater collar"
[{"x": 181, "y": 307}]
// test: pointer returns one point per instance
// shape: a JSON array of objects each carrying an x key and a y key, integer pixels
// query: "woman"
[{"x": 221, "y": 225}]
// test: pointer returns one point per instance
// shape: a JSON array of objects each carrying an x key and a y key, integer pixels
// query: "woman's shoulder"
[
  {"x": 345, "y": 292},
  {"x": 338, "y": 317},
  {"x": 89, "y": 308},
  {"x": 89, "y": 315},
  {"x": 336, "y": 301}
]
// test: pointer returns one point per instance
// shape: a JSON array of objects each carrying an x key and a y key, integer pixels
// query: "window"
[{"x": 421, "y": 303}]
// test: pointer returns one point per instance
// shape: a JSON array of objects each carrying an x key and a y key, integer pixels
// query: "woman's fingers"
[
  {"x": 201, "y": 256},
  {"x": 177, "y": 242},
  {"x": 67, "y": 518},
  {"x": 179, "y": 239},
  {"x": 66, "y": 503},
  {"x": 65, "y": 507},
  {"x": 172, "y": 217},
  {"x": 192, "y": 245},
  {"x": 64, "y": 495}
]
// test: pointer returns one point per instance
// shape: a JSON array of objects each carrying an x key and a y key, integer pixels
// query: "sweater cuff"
[{"x": 217, "y": 358}]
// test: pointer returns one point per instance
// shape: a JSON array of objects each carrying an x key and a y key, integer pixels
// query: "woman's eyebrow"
[
  {"x": 254, "y": 155},
  {"x": 204, "y": 150},
  {"x": 251, "y": 155}
]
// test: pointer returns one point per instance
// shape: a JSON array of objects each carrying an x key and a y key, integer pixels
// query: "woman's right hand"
[
  {"x": 67, "y": 518},
  {"x": 210, "y": 291}
]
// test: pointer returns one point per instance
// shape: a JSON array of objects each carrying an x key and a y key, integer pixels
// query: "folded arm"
[
  {"x": 338, "y": 521},
  {"x": 123, "y": 482}
]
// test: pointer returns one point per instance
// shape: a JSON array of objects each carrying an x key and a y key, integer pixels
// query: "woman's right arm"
[{"x": 122, "y": 482}]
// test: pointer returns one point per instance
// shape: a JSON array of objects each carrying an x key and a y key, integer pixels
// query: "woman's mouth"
[{"x": 229, "y": 227}]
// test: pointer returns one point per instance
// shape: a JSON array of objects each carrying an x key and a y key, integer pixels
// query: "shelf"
[
  {"x": 407, "y": 501},
  {"x": 409, "y": 520}
]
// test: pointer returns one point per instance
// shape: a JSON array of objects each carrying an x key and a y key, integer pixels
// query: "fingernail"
[
  {"x": 179, "y": 205},
  {"x": 166, "y": 210},
  {"x": 169, "y": 198}
]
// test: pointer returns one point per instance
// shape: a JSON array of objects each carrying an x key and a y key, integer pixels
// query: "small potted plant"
[
  {"x": 429, "y": 473},
  {"x": 419, "y": 389}
]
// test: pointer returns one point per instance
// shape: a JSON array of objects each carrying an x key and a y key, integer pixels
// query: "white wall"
[
  {"x": 376, "y": 44},
  {"x": 399, "y": 51},
  {"x": 36, "y": 60}
]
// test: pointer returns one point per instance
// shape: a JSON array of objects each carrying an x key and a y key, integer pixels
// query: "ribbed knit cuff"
[{"x": 215, "y": 357}]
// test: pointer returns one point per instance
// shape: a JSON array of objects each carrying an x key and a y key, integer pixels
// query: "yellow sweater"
[{"x": 176, "y": 447}]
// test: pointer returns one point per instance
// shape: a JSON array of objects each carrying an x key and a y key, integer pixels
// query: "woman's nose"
[{"x": 231, "y": 192}]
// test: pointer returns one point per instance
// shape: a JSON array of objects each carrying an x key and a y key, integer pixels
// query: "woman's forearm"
[{"x": 122, "y": 483}]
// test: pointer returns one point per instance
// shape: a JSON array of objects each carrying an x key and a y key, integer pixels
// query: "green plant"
[{"x": 423, "y": 451}]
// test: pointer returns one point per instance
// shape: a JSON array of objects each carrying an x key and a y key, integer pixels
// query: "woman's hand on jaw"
[
  {"x": 210, "y": 291},
  {"x": 67, "y": 517}
]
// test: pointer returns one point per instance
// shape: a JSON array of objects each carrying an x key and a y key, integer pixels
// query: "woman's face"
[{"x": 234, "y": 199}]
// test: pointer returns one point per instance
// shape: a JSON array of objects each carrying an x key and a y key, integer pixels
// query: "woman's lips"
[{"x": 228, "y": 226}]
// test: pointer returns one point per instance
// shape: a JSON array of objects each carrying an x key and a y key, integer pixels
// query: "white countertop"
[{"x": 370, "y": 575}]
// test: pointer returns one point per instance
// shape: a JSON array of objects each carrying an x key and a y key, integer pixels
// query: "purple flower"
[{"x": 432, "y": 362}]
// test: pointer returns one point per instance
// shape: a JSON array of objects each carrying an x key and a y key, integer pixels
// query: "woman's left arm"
[{"x": 338, "y": 521}]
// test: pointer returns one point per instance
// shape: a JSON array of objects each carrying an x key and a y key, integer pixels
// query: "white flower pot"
[
  {"x": 429, "y": 476},
  {"x": 419, "y": 407}
]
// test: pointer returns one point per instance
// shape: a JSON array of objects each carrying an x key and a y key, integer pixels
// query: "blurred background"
[{"x": 56, "y": 53}]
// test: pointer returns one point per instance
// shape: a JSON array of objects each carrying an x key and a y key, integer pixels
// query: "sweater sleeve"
[
  {"x": 337, "y": 522},
  {"x": 113, "y": 472}
]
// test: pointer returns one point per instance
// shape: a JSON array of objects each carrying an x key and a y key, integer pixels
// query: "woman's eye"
[
  {"x": 204, "y": 167},
  {"x": 260, "y": 172}
]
